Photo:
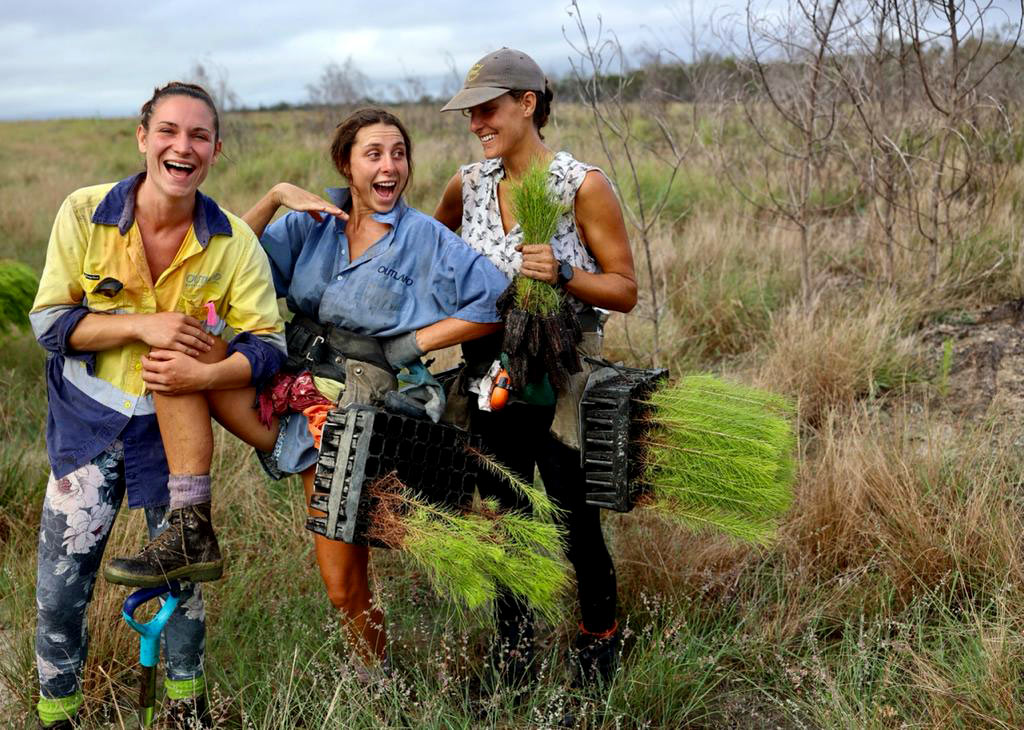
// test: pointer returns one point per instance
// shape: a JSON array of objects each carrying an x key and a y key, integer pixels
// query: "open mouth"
[
  {"x": 386, "y": 190},
  {"x": 179, "y": 170},
  {"x": 487, "y": 138}
]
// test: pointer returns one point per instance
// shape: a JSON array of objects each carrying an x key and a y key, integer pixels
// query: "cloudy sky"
[{"x": 65, "y": 58}]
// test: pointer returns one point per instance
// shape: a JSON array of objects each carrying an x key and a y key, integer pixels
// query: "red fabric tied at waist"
[{"x": 289, "y": 392}]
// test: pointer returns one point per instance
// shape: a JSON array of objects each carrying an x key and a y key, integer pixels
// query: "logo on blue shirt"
[{"x": 403, "y": 278}]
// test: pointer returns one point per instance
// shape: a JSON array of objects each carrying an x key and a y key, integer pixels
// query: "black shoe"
[
  {"x": 186, "y": 550},
  {"x": 512, "y": 652},
  {"x": 187, "y": 714},
  {"x": 596, "y": 657},
  {"x": 58, "y": 725},
  {"x": 513, "y": 667}
]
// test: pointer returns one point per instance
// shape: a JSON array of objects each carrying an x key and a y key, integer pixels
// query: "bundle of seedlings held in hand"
[
  {"x": 718, "y": 456},
  {"x": 468, "y": 555},
  {"x": 18, "y": 284},
  {"x": 541, "y": 329}
]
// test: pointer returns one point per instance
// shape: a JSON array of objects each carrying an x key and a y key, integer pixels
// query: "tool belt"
[{"x": 323, "y": 349}]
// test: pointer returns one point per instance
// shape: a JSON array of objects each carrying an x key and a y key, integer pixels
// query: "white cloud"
[{"x": 69, "y": 58}]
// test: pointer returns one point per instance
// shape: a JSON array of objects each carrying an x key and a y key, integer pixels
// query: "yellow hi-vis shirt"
[{"x": 95, "y": 263}]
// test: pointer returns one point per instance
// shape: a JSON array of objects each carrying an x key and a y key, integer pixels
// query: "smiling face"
[
  {"x": 378, "y": 167},
  {"x": 501, "y": 124},
  {"x": 180, "y": 145}
]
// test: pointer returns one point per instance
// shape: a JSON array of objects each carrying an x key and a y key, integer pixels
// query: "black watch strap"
[{"x": 565, "y": 273}]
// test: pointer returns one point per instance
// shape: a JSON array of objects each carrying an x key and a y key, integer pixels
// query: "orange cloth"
[{"x": 316, "y": 416}]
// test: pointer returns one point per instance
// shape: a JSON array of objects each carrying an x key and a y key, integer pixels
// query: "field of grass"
[{"x": 893, "y": 596}]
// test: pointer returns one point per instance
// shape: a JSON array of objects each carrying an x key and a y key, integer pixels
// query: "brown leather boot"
[{"x": 186, "y": 550}]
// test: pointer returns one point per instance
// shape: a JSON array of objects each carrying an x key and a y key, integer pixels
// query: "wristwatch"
[{"x": 565, "y": 272}]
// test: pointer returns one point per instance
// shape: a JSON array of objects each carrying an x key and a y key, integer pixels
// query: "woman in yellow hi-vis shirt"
[{"x": 135, "y": 270}]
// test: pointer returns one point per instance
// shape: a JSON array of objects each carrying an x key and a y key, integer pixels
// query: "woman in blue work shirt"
[{"x": 365, "y": 262}]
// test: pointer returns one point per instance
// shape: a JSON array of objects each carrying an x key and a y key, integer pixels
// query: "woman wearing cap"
[{"x": 507, "y": 100}]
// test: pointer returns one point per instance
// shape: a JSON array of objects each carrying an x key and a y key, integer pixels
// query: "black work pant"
[{"x": 518, "y": 436}]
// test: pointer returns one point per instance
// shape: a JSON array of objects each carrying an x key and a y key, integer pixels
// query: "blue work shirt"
[{"x": 417, "y": 274}]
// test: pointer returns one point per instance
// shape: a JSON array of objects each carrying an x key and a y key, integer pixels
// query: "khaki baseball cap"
[{"x": 495, "y": 74}]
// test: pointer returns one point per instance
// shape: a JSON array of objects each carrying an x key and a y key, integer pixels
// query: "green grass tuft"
[
  {"x": 18, "y": 285},
  {"x": 945, "y": 367}
]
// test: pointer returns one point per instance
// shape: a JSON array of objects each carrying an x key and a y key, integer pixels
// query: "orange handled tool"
[{"x": 499, "y": 393}]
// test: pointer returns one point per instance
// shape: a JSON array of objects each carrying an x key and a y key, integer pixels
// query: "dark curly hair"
[{"x": 542, "y": 111}]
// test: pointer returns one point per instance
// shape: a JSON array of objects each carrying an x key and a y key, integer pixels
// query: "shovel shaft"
[{"x": 147, "y": 695}]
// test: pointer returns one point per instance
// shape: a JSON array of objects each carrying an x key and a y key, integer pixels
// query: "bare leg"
[
  {"x": 344, "y": 569},
  {"x": 185, "y": 424},
  {"x": 187, "y": 549},
  {"x": 234, "y": 410}
]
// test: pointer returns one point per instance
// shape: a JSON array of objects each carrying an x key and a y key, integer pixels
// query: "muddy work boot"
[{"x": 186, "y": 550}]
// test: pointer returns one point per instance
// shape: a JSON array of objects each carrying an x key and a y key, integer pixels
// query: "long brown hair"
[{"x": 345, "y": 136}]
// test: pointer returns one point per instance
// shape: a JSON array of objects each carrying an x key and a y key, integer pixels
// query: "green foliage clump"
[
  {"x": 18, "y": 285},
  {"x": 721, "y": 456},
  {"x": 467, "y": 556},
  {"x": 454, "y": 550},
  {"x": 528, "y": 566},
  {"x": 538, "y": 212}
]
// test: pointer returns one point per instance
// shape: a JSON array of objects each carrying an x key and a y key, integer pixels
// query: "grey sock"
[{"x": 187, "y": 489}]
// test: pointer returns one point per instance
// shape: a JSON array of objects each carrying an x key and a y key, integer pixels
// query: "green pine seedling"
[
  {"x": 540, "y": 504},
  {"x": 538, "y": 211},
  {"x": 18, "y": 285},
  {"x": 454, "y": 551},
  {"x": 468, "y": 556},
  {"x": 720, "y": 457},
  {"x": 529, "y": 567}
]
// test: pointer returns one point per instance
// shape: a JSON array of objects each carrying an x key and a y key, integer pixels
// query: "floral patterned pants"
[{"x": 78, "y": 513}]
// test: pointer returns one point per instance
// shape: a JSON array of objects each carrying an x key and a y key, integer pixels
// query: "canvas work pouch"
[
  {"x": 566, "y": 424},
  {"x": 366, "y": 384}
]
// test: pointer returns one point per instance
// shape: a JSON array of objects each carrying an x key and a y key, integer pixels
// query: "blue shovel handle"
[
  {"x": 149, "y": 641},
  {"x": 149, "y": 632}
]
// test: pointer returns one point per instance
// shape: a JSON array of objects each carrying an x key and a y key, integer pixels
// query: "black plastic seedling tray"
[
  {"x": 362, "y": 444},
  {"x": 613, "y": 424}
]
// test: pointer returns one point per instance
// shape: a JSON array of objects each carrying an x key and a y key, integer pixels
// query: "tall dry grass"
[{"x": 891, "y": 598}]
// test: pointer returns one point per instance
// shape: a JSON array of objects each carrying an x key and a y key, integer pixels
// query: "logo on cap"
[{"x": 474, "y": 72}]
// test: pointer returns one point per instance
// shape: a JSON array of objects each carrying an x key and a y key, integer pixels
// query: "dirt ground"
[{"x": 986, "y": 374}]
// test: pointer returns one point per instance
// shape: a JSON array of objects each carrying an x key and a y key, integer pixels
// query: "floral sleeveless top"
[{"x": 481, "y": 217}]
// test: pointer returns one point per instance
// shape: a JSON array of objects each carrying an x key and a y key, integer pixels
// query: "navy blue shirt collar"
[
  {"x": 118, "y": 209},
  {"x": 342, "y": 197}
]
